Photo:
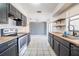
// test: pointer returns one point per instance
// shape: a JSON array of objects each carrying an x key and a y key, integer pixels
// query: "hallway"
[{"x": 39, "y": 46}]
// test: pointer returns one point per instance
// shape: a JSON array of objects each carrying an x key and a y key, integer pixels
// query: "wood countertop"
[
  {"x": 70, "y": 39},
  {"x": 4, "y": 39}
]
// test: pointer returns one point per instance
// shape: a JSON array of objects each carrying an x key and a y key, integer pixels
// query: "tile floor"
[{"x": 39, "y": 46}]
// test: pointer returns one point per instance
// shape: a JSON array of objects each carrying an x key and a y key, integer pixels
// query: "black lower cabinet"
[
  {"x": 62, "y": 47},
  {"x": 12, "y": 51},
  {"x": 9, "y": 48},
  {"x": 49, "y": 38},
  {"x": 64, "y": 51},
  {"x": 56, "y": 47},
  {"x": 52, "y": 42},
  {"x": 74, "y": 50}
]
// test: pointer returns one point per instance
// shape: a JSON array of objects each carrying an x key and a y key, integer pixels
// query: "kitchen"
[{"x": 43, "y": 29}]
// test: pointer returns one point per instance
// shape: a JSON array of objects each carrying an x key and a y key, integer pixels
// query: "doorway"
[{"x": 38, "y": 28}]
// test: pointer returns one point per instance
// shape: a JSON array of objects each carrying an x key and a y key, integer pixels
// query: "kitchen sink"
[{"x": 72, "y": 37}]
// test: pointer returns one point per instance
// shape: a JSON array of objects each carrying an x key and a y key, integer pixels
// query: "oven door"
[{"x": 22, "y": 42}]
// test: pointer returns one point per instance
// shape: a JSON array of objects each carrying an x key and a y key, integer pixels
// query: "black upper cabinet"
[
  {"x": 18, "y": 14},
  {"x": 14, "y": 12},
  {"x": 24, "y": 20},
  {"x": 20, "y": 19},
  {"x": 8, "y": 10},
  {"x": 3, "y": 13}
]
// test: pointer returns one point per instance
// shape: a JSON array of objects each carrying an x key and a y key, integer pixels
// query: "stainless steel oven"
[{"x": 22, "y": 45}]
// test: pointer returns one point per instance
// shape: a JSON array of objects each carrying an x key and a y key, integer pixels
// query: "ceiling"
[
  {"x": 43, "y": 7},
  {"x": 47, "y": 10}
]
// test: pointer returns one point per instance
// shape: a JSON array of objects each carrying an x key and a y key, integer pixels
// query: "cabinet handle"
[{"x": 10, "y": 43}]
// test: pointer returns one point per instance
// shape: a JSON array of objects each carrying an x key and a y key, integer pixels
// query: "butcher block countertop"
[
  {"x": 70, "y": 39},
  {"x": 4, "y": 39}
]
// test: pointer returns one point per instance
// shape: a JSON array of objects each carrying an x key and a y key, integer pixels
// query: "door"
[
  {"x": 38, "y": 28},
  {"x": 5, "y": 53},
  {"x": 64, "y": 51},
  {"x": 13, "y": 50},
  {"x": 56, "y": 47},
  {"x": 74, "y": 50}
]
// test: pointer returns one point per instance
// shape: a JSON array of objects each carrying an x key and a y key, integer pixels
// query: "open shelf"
[
  {"x": 58, "y": 20},
  {"x": 60, "y": 25}
]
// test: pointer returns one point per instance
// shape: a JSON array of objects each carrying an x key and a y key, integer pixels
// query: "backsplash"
[{"x": 12, "y": 24}]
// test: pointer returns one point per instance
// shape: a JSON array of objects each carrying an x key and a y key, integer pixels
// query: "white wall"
[{"x": 68, "y": 13}]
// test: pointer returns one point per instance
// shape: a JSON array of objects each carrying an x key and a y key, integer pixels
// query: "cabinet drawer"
[
  {"x": 62, "y": 41},
  {"x": 12, "y": 42},
  {"x": 65, "y": 43}
]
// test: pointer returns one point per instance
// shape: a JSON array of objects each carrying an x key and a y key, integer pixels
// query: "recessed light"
[{"x": 39, "y": 11}]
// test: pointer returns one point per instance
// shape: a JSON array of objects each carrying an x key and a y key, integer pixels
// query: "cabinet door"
[
  {"x": 3, "y": 13},
  {"x": 24, "y": 20},
  {"x": 64, "y": 51},
  {"x": 5, "y": 53},
  {"x": 52, "y": 41},
  {"x": 74, "y": 50},
  {"x": 13, "y": 50},
  {"x": 56, "y": 47},
  {"x": 12, "y": 11},
  {"x": 49, "y": 40},
  {"x": 17, "y": 14}
]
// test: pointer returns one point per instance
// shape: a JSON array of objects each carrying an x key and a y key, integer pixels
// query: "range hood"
[{"x": 17, "y": 19}]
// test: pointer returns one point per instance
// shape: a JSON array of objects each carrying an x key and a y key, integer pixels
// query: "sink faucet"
[{"x": 73, "y": 30}]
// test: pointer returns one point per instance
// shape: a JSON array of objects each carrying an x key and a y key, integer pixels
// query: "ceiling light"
[{"x": 36, "y": 3}]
